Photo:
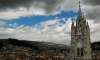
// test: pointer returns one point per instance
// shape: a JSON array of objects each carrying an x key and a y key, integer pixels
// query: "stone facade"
[{"x": 80, "y": 39}]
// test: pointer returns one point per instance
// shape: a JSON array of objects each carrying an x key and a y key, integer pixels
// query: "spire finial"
[
  {"x": 79, "y": 3},
  {"x": 80, "y": 12}
]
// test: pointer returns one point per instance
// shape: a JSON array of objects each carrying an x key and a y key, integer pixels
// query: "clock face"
[{"x": 79, "y": 45}]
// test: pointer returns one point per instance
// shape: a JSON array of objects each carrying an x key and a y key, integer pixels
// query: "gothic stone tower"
[{"x": 80, "y": 39}]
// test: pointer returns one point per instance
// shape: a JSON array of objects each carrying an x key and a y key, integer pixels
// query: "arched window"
[{"x": 80, "y": 52}]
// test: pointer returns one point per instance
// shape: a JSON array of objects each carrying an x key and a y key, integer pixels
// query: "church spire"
[
  {"x": 80, "y": 17},
  {"x": 80, "y": 11}
]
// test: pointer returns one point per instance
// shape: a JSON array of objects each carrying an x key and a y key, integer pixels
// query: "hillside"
[{"x": 35, "y": 46}]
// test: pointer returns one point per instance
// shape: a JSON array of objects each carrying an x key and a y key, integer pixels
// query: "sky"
[{"x": 46, "y": 20}]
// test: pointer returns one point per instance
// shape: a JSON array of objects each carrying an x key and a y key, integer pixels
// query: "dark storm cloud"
[
  {"x": 92, "y": 9},
  {"x": 50, "y": 4},
  {"x": 13, "y": 3},
  {"x": 92, "y": 2},
  {"x": 93, "y": 13}
]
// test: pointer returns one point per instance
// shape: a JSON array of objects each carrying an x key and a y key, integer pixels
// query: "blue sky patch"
[{"x": 31, "y": 21}]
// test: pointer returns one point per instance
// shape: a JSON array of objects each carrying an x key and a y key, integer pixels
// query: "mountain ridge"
[{"x": 15, "y": 44}]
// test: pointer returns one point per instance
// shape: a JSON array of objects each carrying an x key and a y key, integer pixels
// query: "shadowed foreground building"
[
  {"x": 80, "y": 39},
  {"x": 22, "y": 55}
]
